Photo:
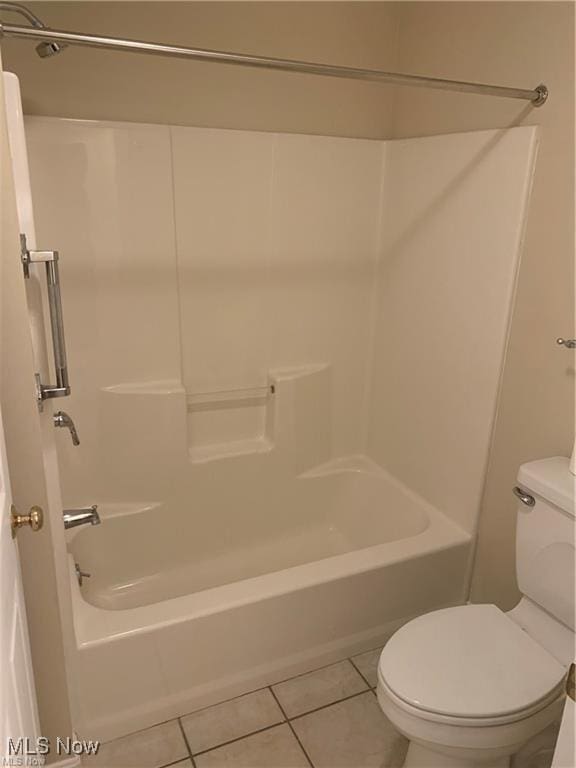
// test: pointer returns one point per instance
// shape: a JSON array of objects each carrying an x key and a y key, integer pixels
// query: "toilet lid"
[{"x": 470, "y": 661}]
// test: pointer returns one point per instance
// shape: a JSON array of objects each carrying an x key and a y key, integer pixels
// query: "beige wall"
[
  {"x": 519, "y": 44},
  {"x": 115, "y": 86},
  {"x": 511, "y": 43}
]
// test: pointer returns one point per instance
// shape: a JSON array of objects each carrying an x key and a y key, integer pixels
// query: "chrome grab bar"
[
  {"x": 524, "y": 497},
  {"x": 50, "y": 259}
]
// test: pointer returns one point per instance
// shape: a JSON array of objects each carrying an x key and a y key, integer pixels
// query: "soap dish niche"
[{"x": 228, "y": 422}]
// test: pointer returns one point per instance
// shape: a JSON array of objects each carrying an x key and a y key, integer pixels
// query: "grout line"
[
  {"x": 141, "y": 730},
  {"x": 225, "y": 701},
  {"x": 310, "y": 672},
  {"x": 247, "y": 693},
  {"x": 183, "y": 732},
  {"x": 287, "y": 721},
  {"x": 180, "y": 761},
  {"x": 370, "y": 687},
  {"x": 332, "y": 703},
  {"x": 264, "y": 687},
  {"x": 306, "y": 755},
  {"x": 239, "y": 738},
  {"x": 324, "y": 666},
  {"x": 281, "y": 708}
]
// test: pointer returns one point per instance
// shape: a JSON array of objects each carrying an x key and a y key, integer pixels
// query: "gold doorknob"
[{"x": 34, "y": 518}]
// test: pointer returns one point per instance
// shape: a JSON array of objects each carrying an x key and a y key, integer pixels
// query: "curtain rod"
[{"x": 52, "y": 40}]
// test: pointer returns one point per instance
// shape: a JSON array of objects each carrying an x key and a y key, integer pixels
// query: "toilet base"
[{"x": 419, "y": 756}]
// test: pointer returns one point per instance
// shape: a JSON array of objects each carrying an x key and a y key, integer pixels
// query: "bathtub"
[{"x": 190, "y": 603}]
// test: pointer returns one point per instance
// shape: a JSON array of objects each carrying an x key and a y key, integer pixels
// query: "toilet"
[{"x": 471, "y": 685}]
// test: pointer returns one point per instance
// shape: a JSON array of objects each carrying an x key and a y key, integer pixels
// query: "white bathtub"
[{"x": 190, "y": 604}]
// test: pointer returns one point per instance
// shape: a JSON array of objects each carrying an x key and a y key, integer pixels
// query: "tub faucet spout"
[{"x": 75, "y": 517}]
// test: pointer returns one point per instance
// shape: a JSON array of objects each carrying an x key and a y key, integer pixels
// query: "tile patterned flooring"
[{"x": 328, "y": 718}]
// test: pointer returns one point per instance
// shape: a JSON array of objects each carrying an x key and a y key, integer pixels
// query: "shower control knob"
[{"x": 568, "y": 343}]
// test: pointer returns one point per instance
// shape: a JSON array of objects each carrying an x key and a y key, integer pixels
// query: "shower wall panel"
[
  {"x": 454, "y": 216},
  {"x": 194, "y": 261},
  {"x": 277, "y": 239},
  {"x": 199, "y": 260},
  {"x": 103, "y": 197}
]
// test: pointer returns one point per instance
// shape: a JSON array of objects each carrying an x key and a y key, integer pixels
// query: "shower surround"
[{"x": 285, "y": 353}]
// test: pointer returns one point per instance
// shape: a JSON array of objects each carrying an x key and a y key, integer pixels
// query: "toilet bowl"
[{"x": 470, "y": 686}]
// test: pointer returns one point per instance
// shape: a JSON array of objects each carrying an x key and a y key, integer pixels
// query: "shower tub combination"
[
  {"x": 269, "y": 555},
  {"x": 253, "y": 534},
  {"x": 260, "y": 564},
  {"x": 273, "y": 579}
]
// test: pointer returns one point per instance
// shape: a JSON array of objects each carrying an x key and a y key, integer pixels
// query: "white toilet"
[{"x": 469, "y": 686}]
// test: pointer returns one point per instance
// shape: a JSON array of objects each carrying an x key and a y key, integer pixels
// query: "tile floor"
[{"x": 328, "y": 718}]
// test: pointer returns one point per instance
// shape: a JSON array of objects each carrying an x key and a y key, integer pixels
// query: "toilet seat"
[
  {"x": 556, "y": 695},
  {"x": 469, "y": 665}
]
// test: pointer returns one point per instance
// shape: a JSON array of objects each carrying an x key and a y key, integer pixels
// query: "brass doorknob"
[{"x": 34, "y": 518}]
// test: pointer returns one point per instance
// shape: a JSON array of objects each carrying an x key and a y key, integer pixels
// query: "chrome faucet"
[
  {"x": 81, "y": 516},
  {"x": 61, "y": 419}
]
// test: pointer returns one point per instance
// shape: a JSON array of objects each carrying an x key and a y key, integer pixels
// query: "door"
[
  {"x": 18, "y": 711},
  {"x": 18, "y": 708},
  {"x": 28, "y": 451}
]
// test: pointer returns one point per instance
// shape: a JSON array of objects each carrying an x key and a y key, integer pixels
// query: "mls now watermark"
[{"x": 24, "y": 751}]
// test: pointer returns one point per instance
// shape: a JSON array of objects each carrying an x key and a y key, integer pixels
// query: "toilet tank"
[{"x": 545, "y": 551}]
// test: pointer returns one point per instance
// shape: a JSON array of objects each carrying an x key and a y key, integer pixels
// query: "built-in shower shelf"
[
  {"x": 203, "y": 453},
  {"x": 157, "y": 387},
  {"x": 228, "y": 396}
]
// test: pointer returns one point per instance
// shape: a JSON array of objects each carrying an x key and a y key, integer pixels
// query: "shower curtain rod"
[{"x": 51, "y": 41}]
